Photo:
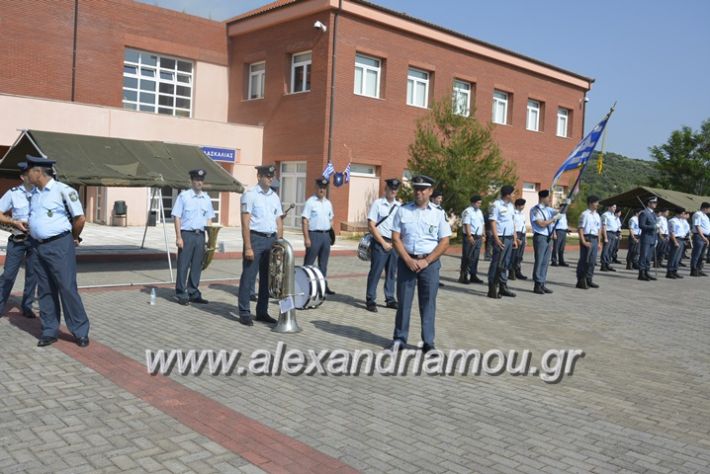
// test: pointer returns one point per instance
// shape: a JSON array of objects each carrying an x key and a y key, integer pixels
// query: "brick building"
[
  {"x": 388, "y": 68},
  {"x": 295, "y": 82}
]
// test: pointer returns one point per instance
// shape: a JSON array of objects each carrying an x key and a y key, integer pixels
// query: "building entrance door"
[{"x": 293, "y": 190}]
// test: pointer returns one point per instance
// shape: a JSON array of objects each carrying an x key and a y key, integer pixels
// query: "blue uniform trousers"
[
  {"x": 646, "y": 251},
  {"x": 615, "y": 250},
  {"x": 261, "y": 246},
  {"x": 55, "y": 267},
  {"x": 542, "y": 245},
  {"x": 320, "y": 247},
  {"x": 662, "y": 248},
  {"x": 189, "y": 265},
  {"x": 632, "y": 256},
  {"x": 516, "y": 257},
  {"x": 386, "y": 261},
  {"x": 696, "y": 257},
  {"x": 16, "y": 253},
  {"x": 426, "y": 282},
  {"x": 470, "y": 255},
  {"x": 674, "y": 255},
  {"x": 587, "y": 258},
  {"x": 558, "y": 246},
  {"x": 500, "y": 261},
  {"x": 608, "y": 248}
]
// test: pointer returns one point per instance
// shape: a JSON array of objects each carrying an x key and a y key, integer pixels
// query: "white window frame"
[
  {"x": 562, "y": 122},
  {"x": 359, "y": 169},
  {"x": 412, "y": 82},
  {"x": 145, "y": 72},
  {"x": 365, "y": 68},
  {"x": 260, "y": 76},
  {"x": 532, "y": 122},
  {"x": 529, "y": 186},
  {"x": 306, "y": 65},
  {"x": 462, "y": 89},
  {"x": 500, "y": 99}
]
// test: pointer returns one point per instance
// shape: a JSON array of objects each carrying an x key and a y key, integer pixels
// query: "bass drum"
[{"x": 310, "y": 287}]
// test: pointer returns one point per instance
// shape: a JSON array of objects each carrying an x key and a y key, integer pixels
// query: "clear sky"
[{"x": 651, "y": 56}]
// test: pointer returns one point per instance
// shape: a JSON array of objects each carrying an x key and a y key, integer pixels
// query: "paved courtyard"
[{"x": 638, "y": 401}]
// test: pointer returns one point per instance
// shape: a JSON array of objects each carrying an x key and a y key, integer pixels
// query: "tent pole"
[
  {"x": 150, "y": 208},
  {"x": 165, "y": 233}
]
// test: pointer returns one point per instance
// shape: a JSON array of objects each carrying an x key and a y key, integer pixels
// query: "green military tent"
[
  {"x": 118, "y": 162},
  {"x": 671, "y": 200}
]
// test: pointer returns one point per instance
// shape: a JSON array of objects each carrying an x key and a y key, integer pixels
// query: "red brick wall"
[{"x": 37, "y": 42}]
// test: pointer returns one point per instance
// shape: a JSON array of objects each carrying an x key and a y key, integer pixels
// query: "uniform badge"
[
  {"x": 73, "y": 196},
  {"x": 50, "y": 213},
  {"x": 431, "y": 229}
]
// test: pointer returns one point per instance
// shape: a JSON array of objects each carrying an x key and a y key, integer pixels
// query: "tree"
[
  {"x": 683, "y": 162},
  {"x": 460, "y": 154}
]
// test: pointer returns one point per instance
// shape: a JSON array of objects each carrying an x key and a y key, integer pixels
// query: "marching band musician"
[
  {"x": 678, "y": 234},
  {"x": 589, "y": 227},
  {"x": 473, "y": 227},
  {"x": 542, "y": 220},
  {"x": 192, "y": 212},
  {"x": 19, "y": 248},
  {"x": 262, "y": 224},
  {"x": 317, "y": 220},
  {"x": 505, "y": 240},
  {"x": 379, "y": 223}
]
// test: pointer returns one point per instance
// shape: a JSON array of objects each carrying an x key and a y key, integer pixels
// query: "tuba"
[
  {"x": 282, "y": 284},
  {"x": 211, "y": 244}
]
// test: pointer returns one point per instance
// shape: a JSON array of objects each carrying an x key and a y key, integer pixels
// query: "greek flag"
[
  {"x": 347, "y": 173},
  {"x": 329, "y": 170},
  {"x": 580, "y": 155}
]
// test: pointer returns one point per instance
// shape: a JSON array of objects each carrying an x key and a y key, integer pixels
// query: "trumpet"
[
  {"x": 210, "y": 244},
  {"x": 16, "y": 234}
]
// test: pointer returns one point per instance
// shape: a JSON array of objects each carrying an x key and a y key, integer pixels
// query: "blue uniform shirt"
[
  {"x": 379, "y": 210},
  {"x": 263, "y": 207},
  {"x": 701, "y": 219},
  {"x": 17, "y": 200},
  {"x": 590, "y": 222},
  {"x": 319, "y": 213},
  {"x": 562, "y": 223},
  {"x": 474, "y": 218},
  {"x": 540, "y": 212},
  {"x": 48, "y": 209},
  {"x": 662, "y": 225},
  {"x": 519, "y": 221},
  {"x": 610, "y": 221},
  {"x": 686, "y": 226},
  {"x": 420, "y": 229},
  {"x": 676, "y": 227},
  {"x": 194, "y": 210},
  {"x": 634, "y": 225},
  {"x": 502, "y": 214}
]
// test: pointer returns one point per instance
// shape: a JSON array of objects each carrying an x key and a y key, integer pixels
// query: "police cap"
[
  {"x": 33, "y": 161},
  {"x": 198, "y": 174},
  {"x": 322, "y": 182},
  {"x": 437, "y": 193},
  {"x": 650, "y": 199},
  {"x": 265, "y": 170},
  {"x": 520, "y": 202},
  {"x": 506, "y": 190},
  {"x": 476, "y": 198},
  {"x": 23, "y": 166},
  {"x": 393, "y": 183},
  {"x": 543, "y": 193},
  {"x": 422, "y": 181}
]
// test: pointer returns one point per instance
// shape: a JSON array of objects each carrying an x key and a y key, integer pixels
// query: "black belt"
[
  {"x": 590, "y": 236},
  {"x": 263, "y": 234},
  {"x": 193, "y": 231},
  {"x": 542, "y": 235},
  {"x": 505, "y": 236},
  {"x": 665, "y": 236},
  {"x": 386, "y": 239},
  {"x": 418, "y": 256},
  {"x": 320, "y": 231},
  {"x": 54, "y": 237}
]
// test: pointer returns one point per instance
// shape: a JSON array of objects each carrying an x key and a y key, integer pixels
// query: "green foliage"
[
  {"x": 460, "y": 154},
  {"x": 683, "y": 162}
]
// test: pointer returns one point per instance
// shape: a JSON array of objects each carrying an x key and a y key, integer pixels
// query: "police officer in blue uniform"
[
  {"x": 662, "y": 247},
  {"x": 420, "y": 234},
  {"x": 384, "y": 257},
  {"x": 632, "y": 256},
  {"x": 317, "y": 220},
  {"x": 589, "y": 227},
  {"x": 191, "y": 212},
  {"x": 500, "y": 218},
  {"x": 649, "y": 231},
  {"x": 615, "y": 250},
  {"x": 473, "y": 224},
  {"x": 262, "y": 224},
  {"x": 677, "y": 237},
  {"x": 515, "y": 271},
  {"x": 609, "y": 233},
  {"x": 560, "y": 241},
  {"x": 542, "y": 219},
  {"x": 701, "y": 239},
  {"x": 19, "y": 248},
  {"x": 55, "y": 224}
]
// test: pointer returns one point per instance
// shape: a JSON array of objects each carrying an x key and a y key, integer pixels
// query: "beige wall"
[
  {"x": 66, "y": 117},
  {"x": 211, "y": 92},
  {"x": 363, "y": 192}
]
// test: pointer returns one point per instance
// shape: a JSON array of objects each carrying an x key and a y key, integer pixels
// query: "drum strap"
[{"x": 388, "y": 214}]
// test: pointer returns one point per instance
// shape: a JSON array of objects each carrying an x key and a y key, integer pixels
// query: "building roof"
[
  {"x": 120, "y": 162},
  {"x": 279, "y": 4},
  {"x": 667, "y": 199}
]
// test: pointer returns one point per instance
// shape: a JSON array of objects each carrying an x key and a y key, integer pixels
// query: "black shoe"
[
  {"x": 392, "y": 305},
  {"x": 643, "y": 276},
  {"x": 371, "y": 307},
  {"x": 671, "y": 276},
  {"x": 504, "y": 291},
  {"x": 475, "y": 279},
  {"x": 395, "y": 345},
  {"x": 46, "y": 341},
  {"x": 681, "y": 264},
  {"x": 512, "y": 276},
  {"x": 702, "y": 273},
  {"x": 328, "y": 291},
  {"x": 28, "y": 313},
  {"x": 582, "y": 284},
  {"x": 675, "y": 274},
  {"x": 82, "y": 341},
  {"x": 493, "y": 291},
  {"x": 604, "y": 268},
  {"x": 628, "y": 266},
  {"x": 246, "y": 320},
  {"x": 635, "y": 266},
  {"x": 253, "y": 298},
  {"x": 694, "y": 273},
  {"x": 564, "y": 264},
  {"x": 441, "y": 284},
  {"x": 616, "y": 260},
  {"x": 610, "y": 269},
  {"x": 463, "y": 279},
  {"x": 183, "y": 301},
  {"x": 591, "y": 284},
  {"x": 520, "y": 276},
  {"x": 554, "y": 264},
  {"x": 546, "y": 290},
  {"x": 650, "y": 278},
  {"x": 265, "y": 318},
  {"x": 199, "y": 300},
  {"x": 538, "y": 289},
  {"x": 427, "y": 348}
]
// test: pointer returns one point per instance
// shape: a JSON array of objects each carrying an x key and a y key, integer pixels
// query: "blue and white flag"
[
  {"x": 347, "y": 173},
  {"x": 329, "y": 170},
  {"x": 583, "y": 151}
]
